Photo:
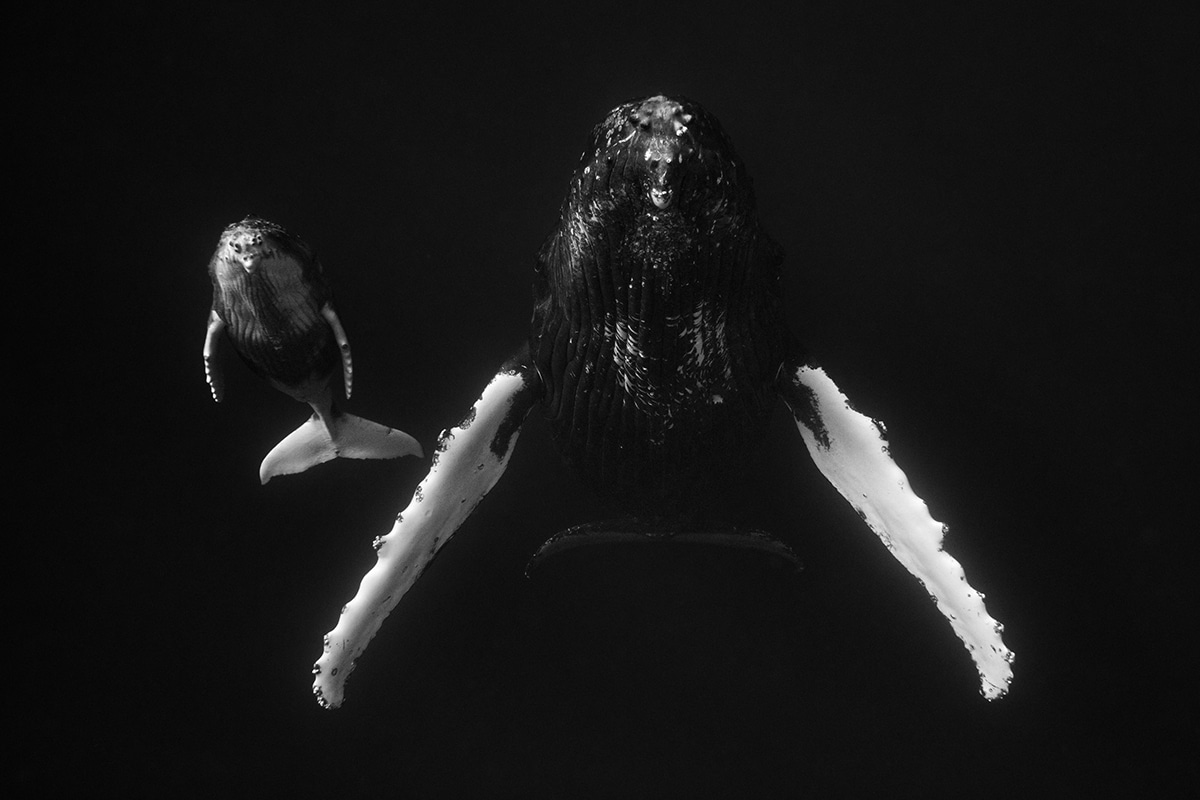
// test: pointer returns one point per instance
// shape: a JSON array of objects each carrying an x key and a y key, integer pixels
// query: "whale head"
[{"x": 661, "y": 154}]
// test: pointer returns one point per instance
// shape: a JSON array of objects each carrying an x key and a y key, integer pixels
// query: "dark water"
[{"x": 984, "y": 215}]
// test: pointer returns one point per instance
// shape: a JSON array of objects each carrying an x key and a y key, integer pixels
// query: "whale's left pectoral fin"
[
  {"x": 469, "y": 459},
  {"x": 339, "y": 333},
  {"x": 212, "y": 372},
  {"x": 850, "y": 450}
]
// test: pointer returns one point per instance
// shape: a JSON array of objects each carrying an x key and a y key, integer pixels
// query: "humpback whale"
[
  {"x": 272, "y": 299},
  {"x": 659, "y": 346}
]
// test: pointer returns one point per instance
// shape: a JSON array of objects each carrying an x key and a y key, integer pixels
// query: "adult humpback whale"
[{"x": 657, "y": 347}]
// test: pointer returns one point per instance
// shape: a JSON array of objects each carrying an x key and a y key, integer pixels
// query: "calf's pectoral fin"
[
  {"x": 850, "y": 450},
  {"x": 470, "y": 458},
  {"x": 212, "y": 372},
  {"x": 339, "y": 333}
]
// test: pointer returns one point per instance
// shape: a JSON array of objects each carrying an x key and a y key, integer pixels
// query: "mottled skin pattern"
[
  {"x": 657, "y": 331},
  {"x": 270, "y": 289}
]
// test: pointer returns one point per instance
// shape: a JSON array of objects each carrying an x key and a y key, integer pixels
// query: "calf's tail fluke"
[{"x": 342, "y": 436}]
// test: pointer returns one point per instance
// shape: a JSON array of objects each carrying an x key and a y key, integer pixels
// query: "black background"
[{"x": 988, "y": 214}]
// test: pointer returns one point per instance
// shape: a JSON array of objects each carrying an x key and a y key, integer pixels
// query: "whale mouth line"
[
  {"x": 248, "y": 258},
  {"x": 248, "y": 247}
]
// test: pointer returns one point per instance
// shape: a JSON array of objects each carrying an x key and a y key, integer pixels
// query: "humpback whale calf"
[
  {"x": 658, "y": 347},
  {"x": 271, "y": 297}
]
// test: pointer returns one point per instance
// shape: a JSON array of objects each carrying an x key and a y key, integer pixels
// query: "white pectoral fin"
[
  {"x": 339, "y": 333},
  {"x": 212, "y": 372},
  {"x": 469, "y": 460},
  {"x": 850, "y": 450}
]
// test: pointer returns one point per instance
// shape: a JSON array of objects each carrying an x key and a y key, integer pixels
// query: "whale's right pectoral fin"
[
  {"x": 470, "y": 458},
  {"x": 212, "y": 372}
]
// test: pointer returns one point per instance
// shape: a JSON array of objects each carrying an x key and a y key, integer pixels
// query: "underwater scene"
[{"x": 608, "y": 402}]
